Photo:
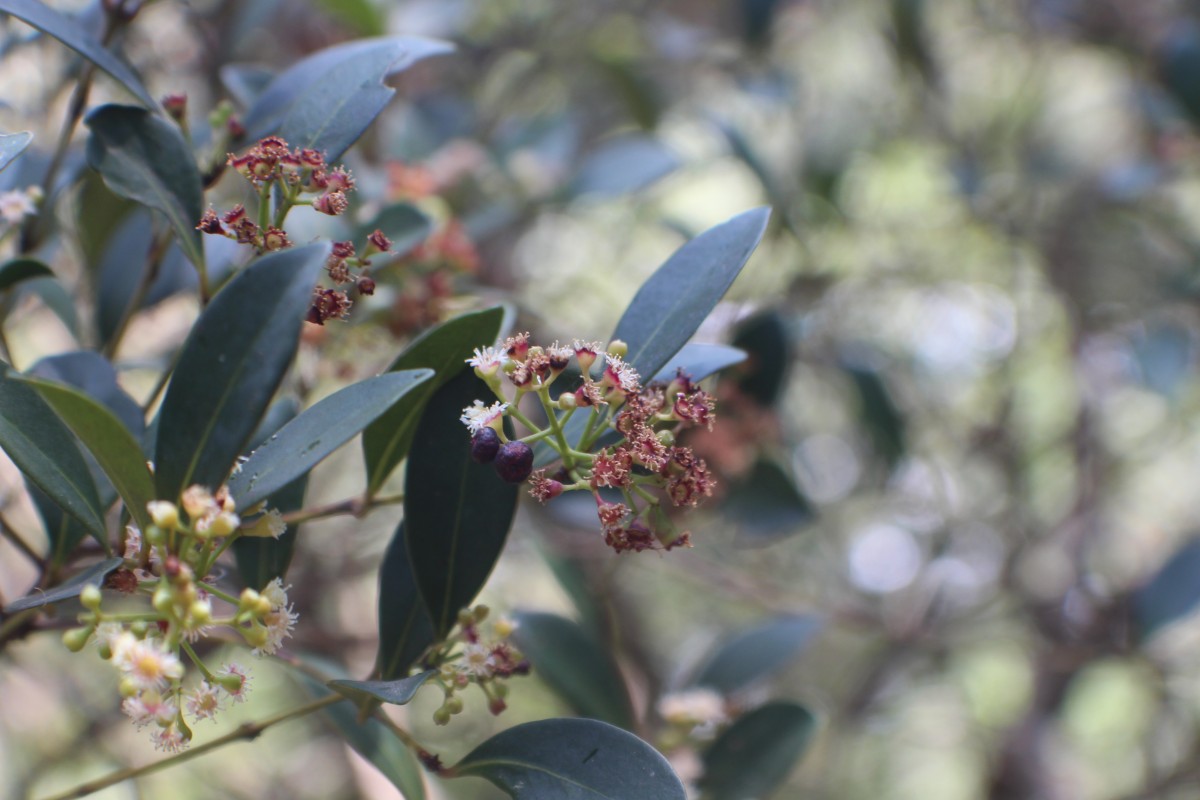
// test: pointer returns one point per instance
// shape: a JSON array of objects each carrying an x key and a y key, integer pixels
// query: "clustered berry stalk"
[
  {"x": 170, "y": 564},
  {"x": 643, "y": 463}
]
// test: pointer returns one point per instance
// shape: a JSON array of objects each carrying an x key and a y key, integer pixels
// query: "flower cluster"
[
  {"x": 467, "y": 658},
  {"x": 170, "y": 565},
  {"x": 643, "y": 466}
]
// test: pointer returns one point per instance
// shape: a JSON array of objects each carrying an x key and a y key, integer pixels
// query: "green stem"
[{"x": 246, "y": 731}]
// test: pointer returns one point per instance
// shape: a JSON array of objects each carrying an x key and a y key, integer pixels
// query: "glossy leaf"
[
  {"x": 624, "y": 165},
  {"x": 12, "y": 145},
  {"x": 1173, "y": 592},
  {"x": 68, "y": 589},
  {"x": 22, "y": 269},
  {"x": 456, "y": 513},
  {"x": 765, "y": 339},
  {"x": 405, "y": 224},
  {"x": 757, "y": 653},
  {"x": 755, "y": 754},
  {"x": 108, "y": 440},
  {"x": 120, "y": 270},
  {"x": 397, "y": 692},
  {"x": 305, "y": 441},
  {"x": 70, "y": 33},
  {"x": 670, "y": 306},
  {"x": 444, "y": 350},
  {"x": 572, "y": 759},
  {"x": 230, "y": 366},
  {"x": 572, "y": 663},
  {"x": 245, "y": 82},
  {"x": 145, "y": 158},
  {"x": 327, "y": 100},
  {"x": 405, "y": 630},
  {"x": 46, "y": 453},
  {"x": 766, "y": 504}
]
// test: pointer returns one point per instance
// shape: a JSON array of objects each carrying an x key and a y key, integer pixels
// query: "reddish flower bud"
[
  {"x": 484, "y": 446},
  {"x": 339, "y": 180},
  {"x": 343, "y": 249},
  {"x": 497, "y": 705},
  {"x": 235, "y": 128},
  {"x": 379, "y": 241},
  {"x": 210, "y": 223},
  {"x": 514, "y": 462},
  {"x": 176, "y": 106},
  {"x": 366, "y": 285}
]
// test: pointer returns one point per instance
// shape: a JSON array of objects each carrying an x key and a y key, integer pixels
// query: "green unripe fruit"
[
  {"x": 77, "y": 638},
  {"x": 441, "y": 716},
  {"x": 454, "y": 705}
]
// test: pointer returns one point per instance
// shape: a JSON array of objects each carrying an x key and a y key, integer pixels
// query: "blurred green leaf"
[
  {"x": 444, "y": 350},
  {"x": 405, "y": 224},
  {"x": 767, "y": 504},
  {"x": 68, "y": 589},
  {"x": 880, "y": 416},
  {"x": 305, "y": 441},
  {"x": 405, "y": 630},
  {"x": 17, "y": 270},
  {"x": 69, "y": 32},
  {"x": 763, "y": 376},
  {"x": 576, "y": 666},
  {"x": 456, "y": 513},
  {"x": 572, "y": 759},
  {"x": 12, "y": 145},
  {"x": 397, "y": 692},
  {"x": 1173, "y": 592},
  {"x": 755, "y": 754},
  {"x": 362, "y": 16},
  {"x": 230, "y": 366},
  {"x": 623, "y": 165},
  {"x": 756, "y": 653},
  {"x": 145, "y": 158},
  {"x": 46, "y": 453},
  {"x": 327, "y": 100},
  {"x": 99, "y": 214},
  {"x": 57, "y": 299},
  {"x": 245, "y": 82},
  {"x": 1180, "y": 67}
]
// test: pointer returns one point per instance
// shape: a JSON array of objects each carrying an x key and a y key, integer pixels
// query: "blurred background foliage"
[{"x": 964, "y": 438}]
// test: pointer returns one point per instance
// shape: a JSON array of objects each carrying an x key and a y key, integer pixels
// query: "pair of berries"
[{"x": 513, "y": 460}]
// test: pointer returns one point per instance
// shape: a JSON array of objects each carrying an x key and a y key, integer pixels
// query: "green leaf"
[
  {"x": 456, "y": 513},
  {"x": 65, "y": 591},
  {"x": 755, "y": 754},
  {"x": 1173, "y": 592},
  {"x": 405, "y": 630},
  {"x": 302, "y": 443},
  {"x": 22, "y": 269},
  {"x": 572, "y": 759},
  {"x": 879, "y": 414},
  {"x": 12, "y": 145},
  {"x": 403, "y": 223},
  {"x": 327, "y": 100},
  {"x": 698, "y": 361},
  {"x": 756, "y": 653},
  {"x": 145, "y": 158},
  {"x": 108, "y": 440},
  {"x": 70, "y": 33},
  {"x": 363, "y": 16},
  {"x": 444, "y": 350},
  {"x": 623, "y": 165},
  {"x": 245, "y": 82},
  {"x": 767, "y": 504},
  {"x": 230, "y": 366},
  {"x": 57, "y": 299},
  {"x": 572, "y": 663},
  {"x": 397, "y": 692},
  {"x": 46, "y": 453},
  {"x": 763, "y": 376}
]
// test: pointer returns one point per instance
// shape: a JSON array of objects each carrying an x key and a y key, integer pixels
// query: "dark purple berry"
[
  {"x": 514, "y": 462},
  {"x": 484, "y": 446}
]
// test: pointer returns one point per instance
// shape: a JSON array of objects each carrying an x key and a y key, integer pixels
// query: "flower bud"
[
  {"x": 90, "y": 597},
  {"x": 77, "y": 638},
  {"x": 514, "y": 462},
  {"x": 497, "y": 705},
  {"x": 485, "y": 445},
  {"x": 156, "y": 535},
  {"x": 127, "y": 687},
  {"x": 503, "y": 627},
  {"x": 667, "y": 438},
  {"x": 454, "y": 705},
  {"x": 566, "y": 401},
  {"x": 618, "y": 348},
  {"x": 176, "y": 106},
  {"x": 164, "y": 513},
  {"x": 366, "y": 285},
  {"x": 201, "y": 612},
  {"x": 442, "y": 716},
  {"x": 255, "y": 636},
  {"x": 162, "y": 599},
  {"x": 139, "y": 628},
  {"x": 480, "y": 613}
]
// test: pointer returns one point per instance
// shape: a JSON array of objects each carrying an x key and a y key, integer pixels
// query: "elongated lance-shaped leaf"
[
  {"x": 45, "y": 451},
  {"x": 145, "y": 158},
  {"x": 757, "y": 653},
  {"x": 108, "y": 440},
  {"x": 444, "y": 350},
  {"x": 22, "y": 269},
  {"x": 70, "y": 33},
  {"x": 397, "y": 692},
  {"x": 230, "y": 366},
  {"x": 755, "y": 754},
  {"x": 581, "y": 671},
  {"x": 302, "y": 443},
  {"x": 572, "y": 759},
  {"x": 405, "y": 630},
  {"x": 327, "y": 100},
  {"x": 12, "y": 145},
  {"x": 93, "y": 575},
  {"x": 456, "y": 512}
]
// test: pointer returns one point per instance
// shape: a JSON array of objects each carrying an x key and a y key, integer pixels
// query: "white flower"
[
  {"x": 204, "y": 702},
  {"x": 621, "y": 374},
  {"x": 149, "y": 706},
  {"x": 279, "y": 624},
  {"x": 699, "y": 706},
  {"x": 133, "y": 543},
  {"x": 477, "y": 660},
  {"x": 15, "y": 206},
  {"x": 107, "y": 634},
  {"x": 146, "y": 664},
  {"x": 479, "y": 416},
  {"x": 488, "y": 360},
  {"x": 232, "y": 668},
  {"x": 276, "y": 593},
  {"x": 170, "y": 740}
]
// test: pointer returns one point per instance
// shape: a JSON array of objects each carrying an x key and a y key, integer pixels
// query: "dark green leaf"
[
  {"x": 405, "y": 631},
  {"x": 765, "y": 339},
  {"x": 1180, "y": 68},
  {"x": 22, "y": 269},
  {"x": 45, "y": 451},
  {"x": 1173, "y": 592},
  {"x": 99, "y": 213},
  {"x": 69, "y": 32},
  {"x": 145, "y": 158},
  {"x": 108, "y": 440},
  {"x": 327, "y": 100},
  {"x": 12, "y": 145},
  {"x": 624, "y": 165},
  {"x": 444, "y": 350},
  {"x": 670, "y": 306},
  {"x": 230, "y": 366},
  {"x": 754, "y": 756},
  {"x": 572, "y": 759},
  {"x": 405, "y": 224},
  {"x": 305, "y": 441},
  {"x": 93, "y": 375},
  {"x": 576, "y": 666},
  {"x": 65, "y": 591},
  {"x": 756, "y": 653},
  {"x": 456, "y": 513},
  {"x": 397, "y": 692},
  {"x": 767, "y": 504},
  {"x": 362, "y": 16},
  {"x": 579, "y": 585},
  {"x": 879, "y": 414}
]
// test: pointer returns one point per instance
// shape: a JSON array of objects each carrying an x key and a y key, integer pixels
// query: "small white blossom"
[
  {"x": 233, "y": 668},
  {"x": 146, "y": 664},
  {"x": 479, "y": 416},
  {"x": 276, "y": 593},
  {"x": 15, "y": 205},
  {"x": 279, "y": 624},
  {"x": 204, "y": 702},
  {"x": 149, "y": 706},
  {"x": 700, "y": 706},
  {"x": 622, "y": 374},
  {"x": 477, "y": 660},
  {"x": 488, "y": 360},
  {"x": 170, "y": 740}
]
